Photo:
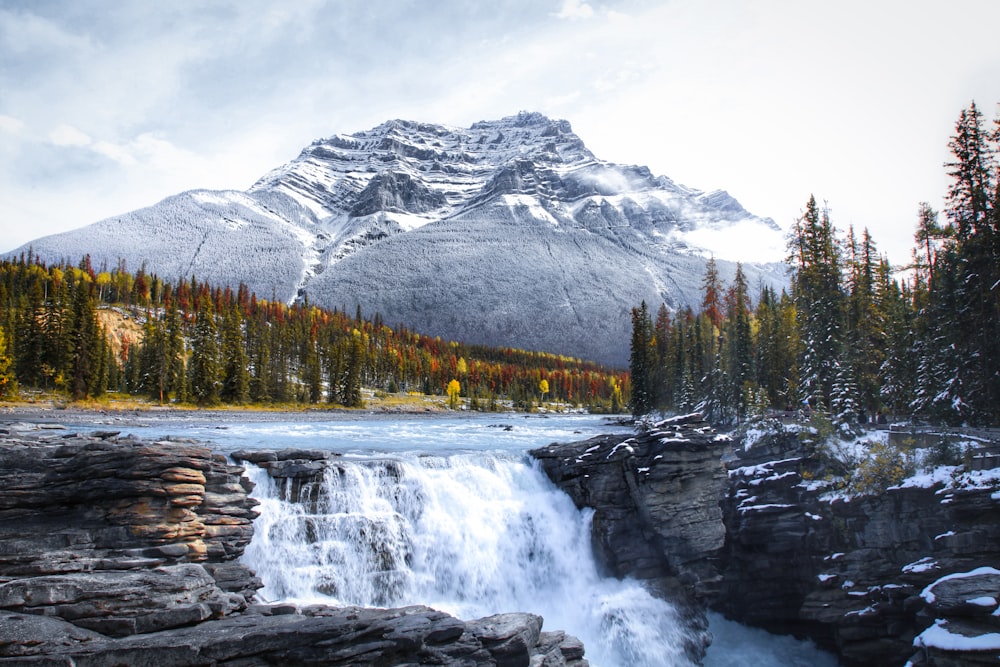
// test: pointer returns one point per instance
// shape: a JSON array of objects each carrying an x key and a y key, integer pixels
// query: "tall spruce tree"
[
  {"x": 960, "y": 323},
  {"x": 85, "y": 350},
  {"x": 235, "y": 376},
  {"x": 819, "y": 301},
  {"x": 206, "y": 362},
  {"x": 641, "y": 361}
]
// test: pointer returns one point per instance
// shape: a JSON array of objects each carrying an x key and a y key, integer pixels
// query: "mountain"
[{"x": 510, "y": 232}]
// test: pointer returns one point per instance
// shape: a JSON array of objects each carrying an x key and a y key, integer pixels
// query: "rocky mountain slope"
[{"x": 510, "y": 232}]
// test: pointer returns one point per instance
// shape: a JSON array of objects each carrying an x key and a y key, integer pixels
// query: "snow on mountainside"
[{"x": 509, "y": 232}]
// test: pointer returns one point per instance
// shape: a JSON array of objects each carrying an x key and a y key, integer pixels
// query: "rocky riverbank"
[
  {"x": 905, "y": 574},
  {"x": 121, "y": 551}
]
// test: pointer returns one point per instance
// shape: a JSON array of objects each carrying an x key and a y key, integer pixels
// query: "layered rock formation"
[
  {"x": 850, "y": 571},
  {"x": 880, "y": 579},
  {"x": 655, "y": 500},
  {"x": 118, "y": 551}
]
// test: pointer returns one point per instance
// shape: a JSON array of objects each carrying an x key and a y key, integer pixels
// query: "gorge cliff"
[{"x": 755, "y": 528}]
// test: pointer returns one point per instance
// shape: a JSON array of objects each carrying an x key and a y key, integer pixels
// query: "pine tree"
[
  {"x": 173, "y": 353},
  {"x": 235, "y": 376},
  {"x": 738, "y": 363},
  {"x": 350, "y": 385},
  {"x": 816, "y": 287},
  {"x": 898, "y": 373},
  {"x": 641, "y": 361},
  {"x": 206, "y": 366},
  {"x": 960, "y": 323},
  {"x": 84, "y": 334}
]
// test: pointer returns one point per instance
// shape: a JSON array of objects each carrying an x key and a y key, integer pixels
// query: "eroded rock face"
[
  {"x": 849, "y": 571},
  {"x": 655, "y": 497},
  {"x": 119, "y": 536},
  {"x": 115, "y": 551},
  {"x": 904, "y": 575}
]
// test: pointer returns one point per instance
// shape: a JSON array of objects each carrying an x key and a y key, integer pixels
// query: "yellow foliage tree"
[
  {"x": 543, "y": 387},
  {"x": 454, "y": 389},
  {"x": 7, "y": 382}
]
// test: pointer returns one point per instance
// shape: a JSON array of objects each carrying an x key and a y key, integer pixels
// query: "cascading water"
[{"x": 472, "y": 534}]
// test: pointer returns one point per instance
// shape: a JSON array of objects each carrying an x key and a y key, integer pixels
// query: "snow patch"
[
  {"x": 928, "y": 593},
  {"x": 938, "y": 636},
  {"x": 984, "y": 601},
  {"x": 925, "y": 564},
  {"x": 620, "y": 445}
]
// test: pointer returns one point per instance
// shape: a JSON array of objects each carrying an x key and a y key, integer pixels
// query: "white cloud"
[
  {"x": 11, "y": 125},
  {"x": 575, "y": 9},
  {"x": 67, "y": 135}
]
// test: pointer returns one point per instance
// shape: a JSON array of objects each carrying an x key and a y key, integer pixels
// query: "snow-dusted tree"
[
  {"x": 898, "y": 372},
  {"x": 738, "y": 360},
  {"x": 845, "y": 412},
  {"x": 819, "y": 301},
  {"x": 960, "y": 324}
]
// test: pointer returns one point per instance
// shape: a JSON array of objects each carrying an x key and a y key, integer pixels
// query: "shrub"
[{"x": 884, "y": 467}]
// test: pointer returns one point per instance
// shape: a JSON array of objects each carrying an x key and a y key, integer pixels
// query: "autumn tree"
[{"x": 8, "y": 383}]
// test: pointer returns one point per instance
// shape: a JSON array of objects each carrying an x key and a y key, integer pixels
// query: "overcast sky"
[{"x": 108, "y": 106}]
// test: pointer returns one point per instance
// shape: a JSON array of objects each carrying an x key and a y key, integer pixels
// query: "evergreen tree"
[
  {"x": 739, "y": 344},
  {"x": 898, "y": 373},
  {"x": 350, "y": 384},
  {"x": 641, "y": 361},
  {"x": 844, "y": 409},
  {"x": 206, "y": 365},
  {"x": 259, "y": 343},
  {"x": 235, "y": 376},
  {"x": 85, "y": 335},
  {"x": 816, "y": 287},
  {"x": 173, "y": 353},
  {"x": 960, "y": 323}
]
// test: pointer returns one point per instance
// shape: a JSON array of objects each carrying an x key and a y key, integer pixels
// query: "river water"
[{"x": 450, "y": 512}]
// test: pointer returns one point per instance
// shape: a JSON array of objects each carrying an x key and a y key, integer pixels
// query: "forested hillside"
[
  {"x": 851, "y": 338},
  {"x": 195, "y": 343}
]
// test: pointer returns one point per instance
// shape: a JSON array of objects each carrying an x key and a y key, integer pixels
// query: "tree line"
[
  {"x": 203, "y": 344},
  {"x": 852, "y": 337}
]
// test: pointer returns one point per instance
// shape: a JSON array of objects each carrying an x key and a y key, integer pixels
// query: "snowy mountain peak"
[{"x": 546, "y": 246}]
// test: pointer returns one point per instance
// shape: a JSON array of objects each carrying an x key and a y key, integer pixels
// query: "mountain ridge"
[{"x": 409, "y": 219}]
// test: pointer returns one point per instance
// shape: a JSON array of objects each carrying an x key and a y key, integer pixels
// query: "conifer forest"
[
  {"x": 198, "y": 344},
  {"x": 854, "y": 337}
]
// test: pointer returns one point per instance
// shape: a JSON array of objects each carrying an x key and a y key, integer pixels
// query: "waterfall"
[{"x": 471, "y": 534}]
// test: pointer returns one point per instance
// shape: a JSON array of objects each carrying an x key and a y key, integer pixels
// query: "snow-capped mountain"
[{"x": 509, "y": 232}]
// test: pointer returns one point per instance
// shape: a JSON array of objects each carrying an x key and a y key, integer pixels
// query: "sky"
[{"x": 107, "y": 106}]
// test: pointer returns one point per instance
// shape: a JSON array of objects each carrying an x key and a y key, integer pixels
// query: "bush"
[{"x": 884, "y": 467}]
